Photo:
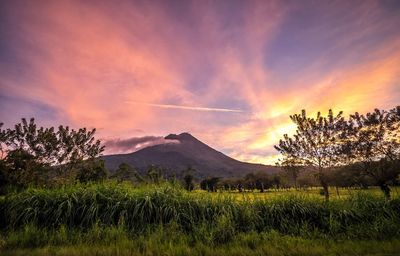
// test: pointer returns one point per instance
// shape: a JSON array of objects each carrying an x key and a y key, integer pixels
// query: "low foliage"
[{"x": 218, "y": 218}]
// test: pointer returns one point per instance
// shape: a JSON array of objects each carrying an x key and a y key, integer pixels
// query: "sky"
[{"x": 229, "y": 72}]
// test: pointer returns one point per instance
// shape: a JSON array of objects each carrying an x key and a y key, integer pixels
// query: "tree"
[
  {"x": 123, "y": 172},
  {"x": 258, "y": 180},
  {"x": 4, "y": 140},
  {"x": 188, "y": 178},
  {"x": 292, "y": 167},
  {"x": 3, "y": 168},
  {"x": 250, "y": 181},
  {"x": 154, "y": 174},
  {"x": 316, "y": 143},
  {"x": 350, "y": 175},
  {"x": 210, "y": 184},
  {"x": 21, "y": 169},
  {"x": 277, "y": 181},
  {"x": 375, "y": 144},
  {"x": 91, "y": 170},
  {"x": 127, "y": 172},
  {"x": 26, "y": 146}
]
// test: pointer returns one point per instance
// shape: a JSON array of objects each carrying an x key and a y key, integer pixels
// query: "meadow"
[
  {"x": 117, "y": 218},
  {"x": 309, "y": 192}
]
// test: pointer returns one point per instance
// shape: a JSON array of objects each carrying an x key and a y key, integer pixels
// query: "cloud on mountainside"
[{"x": 118, "y": 146}]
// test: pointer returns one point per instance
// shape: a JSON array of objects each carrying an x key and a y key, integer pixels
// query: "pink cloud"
[{"x": 87, "y": 61}]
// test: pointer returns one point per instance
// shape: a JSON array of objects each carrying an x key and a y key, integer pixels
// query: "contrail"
[{"x": 186, "y": 107}]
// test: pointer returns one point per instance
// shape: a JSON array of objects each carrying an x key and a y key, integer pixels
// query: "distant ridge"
[{"x": 176, "y": 157}]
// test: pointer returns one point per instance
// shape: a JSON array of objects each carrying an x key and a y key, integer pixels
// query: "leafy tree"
[
  {"x": 127, "y": 172},
  {"x": 316, "y": 143},
  {"x": 155, "y": 174},
  {"x": 231, "y": 183},
  {"x": 21, "y": 169},
  {"x": 277, "y": 181},
  {"x": 188, "y": 178},
  {"x": 123, "y": 172},
  {"x": 4, "y": 140},
  {"x": 375, "y": 144},
  {"x": 250, "y": 181},
  {"x": 3, "y": 168},
  {"x": 210, "y": 184},
  {"x": 91, "y": 170},
  {"x": 350, "y": 175},
  {"x": 258, "y": 180},
  {"x": 28, "y": 149},
  {"x": 62, "y": 147},
  {"x": 3, "y": 178}
]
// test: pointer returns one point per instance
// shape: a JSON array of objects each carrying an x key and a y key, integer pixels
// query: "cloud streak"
[{"x": 169, "y": 106}]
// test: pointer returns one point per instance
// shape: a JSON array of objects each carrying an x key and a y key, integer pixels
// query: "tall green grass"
[{"x": 218, "y": 219}]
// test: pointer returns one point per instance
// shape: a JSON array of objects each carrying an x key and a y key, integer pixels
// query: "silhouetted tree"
[
  {"x": 27, "y": 149},
  {"x": 316, "y": 143},
  {"x": 375, "y": 145}
]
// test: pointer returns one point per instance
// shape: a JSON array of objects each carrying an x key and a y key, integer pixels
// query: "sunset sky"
[{"x": 229, "y": 72}]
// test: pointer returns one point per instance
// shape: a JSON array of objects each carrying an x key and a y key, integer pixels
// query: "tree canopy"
[{"x": 29, "y": 152}]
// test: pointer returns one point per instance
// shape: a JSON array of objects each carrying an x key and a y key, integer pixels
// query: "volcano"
[{"x": 186, "y": 151}]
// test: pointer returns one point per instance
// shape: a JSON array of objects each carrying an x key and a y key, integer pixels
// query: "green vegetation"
[
  {"x": 61, "y": 217},
  {"x": 169, "y": 241}
]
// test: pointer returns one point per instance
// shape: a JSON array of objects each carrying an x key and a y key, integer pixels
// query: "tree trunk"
[
  {"x": 324, "y": 185},
  {"x": 326, "y": 191}
]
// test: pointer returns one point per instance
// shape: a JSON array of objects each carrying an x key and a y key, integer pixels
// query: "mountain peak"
[
  {"x": 175, "y": 157},
  {"x": 182, "y": 136}
]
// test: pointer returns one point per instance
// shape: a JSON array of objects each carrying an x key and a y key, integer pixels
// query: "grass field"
[
  {"x": 313, "y": 192},
  {"x": 110, "y": 218}
]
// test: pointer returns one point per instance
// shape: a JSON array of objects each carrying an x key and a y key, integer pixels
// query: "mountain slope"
[{"x": 188, "y": 151}]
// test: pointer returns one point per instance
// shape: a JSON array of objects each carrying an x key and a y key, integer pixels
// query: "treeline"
[
  {"x": 345, "y": 177},
  {"x": 365, "y": 145}
]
